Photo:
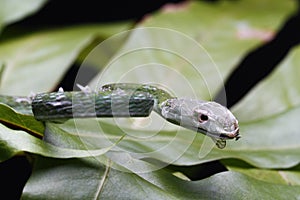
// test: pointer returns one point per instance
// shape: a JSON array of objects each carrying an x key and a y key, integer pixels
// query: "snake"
[{"x": 130, "y": 100}]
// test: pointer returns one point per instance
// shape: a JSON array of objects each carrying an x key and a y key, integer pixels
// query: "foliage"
[{"x": 75, "y": 160}]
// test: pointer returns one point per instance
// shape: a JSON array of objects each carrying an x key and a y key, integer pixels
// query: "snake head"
[{"x": 207, "y": 117}]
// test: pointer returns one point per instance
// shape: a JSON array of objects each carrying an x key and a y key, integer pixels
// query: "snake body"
[{"x": 130, "y": 100}]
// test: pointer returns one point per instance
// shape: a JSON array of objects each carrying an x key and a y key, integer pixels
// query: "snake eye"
[{"x": 202, "y": 117}]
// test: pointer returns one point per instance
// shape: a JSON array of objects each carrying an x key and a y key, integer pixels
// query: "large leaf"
[
  {"x": 99, "y": 177},
  {"x": 47, "y": 55},
  {"x": 16, "y": 142},
  {"x": 53, "y": 179},
  {"x": 13, "y": 10}
]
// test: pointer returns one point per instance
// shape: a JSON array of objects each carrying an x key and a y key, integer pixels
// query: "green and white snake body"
[{"x": 130, "y": 100}]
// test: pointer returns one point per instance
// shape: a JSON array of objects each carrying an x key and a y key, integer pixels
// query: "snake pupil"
[{"x": 203, "y": 117}]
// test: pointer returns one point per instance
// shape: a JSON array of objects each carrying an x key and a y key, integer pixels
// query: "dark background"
[
  {"x": 64, "y": 12},
  {"x": 256, "y": 65}
]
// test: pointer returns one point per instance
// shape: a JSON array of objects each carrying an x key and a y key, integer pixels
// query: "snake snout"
[{"x": 233, "y": 132}]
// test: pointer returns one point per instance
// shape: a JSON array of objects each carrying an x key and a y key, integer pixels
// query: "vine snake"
[{"x": 130, "y": 100}]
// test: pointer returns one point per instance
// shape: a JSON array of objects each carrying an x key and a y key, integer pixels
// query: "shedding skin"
[{"x": 130, "y": 100}]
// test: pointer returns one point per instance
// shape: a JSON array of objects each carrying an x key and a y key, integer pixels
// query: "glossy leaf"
[{"x": 51, "y": 179}]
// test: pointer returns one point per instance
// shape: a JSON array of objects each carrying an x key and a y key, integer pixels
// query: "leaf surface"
[
  {"x": 51, "y": 179},
  {"x": 16, "y": 142}
]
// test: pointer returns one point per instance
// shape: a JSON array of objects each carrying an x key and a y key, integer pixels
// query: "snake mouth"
[
  {"x": 235, "y": 136},
  {"x": 231, "y": 135},
  {"x": 225, "y": 135}
]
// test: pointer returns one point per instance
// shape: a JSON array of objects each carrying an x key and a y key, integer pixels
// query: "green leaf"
[
  {"x": 14, "y": 10},
  {"x": 47, "y": 55},
  {"x": 21, "y": 121},
  {"x": 16, "y": 142},
  {"x": 91, "y": 179}
]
